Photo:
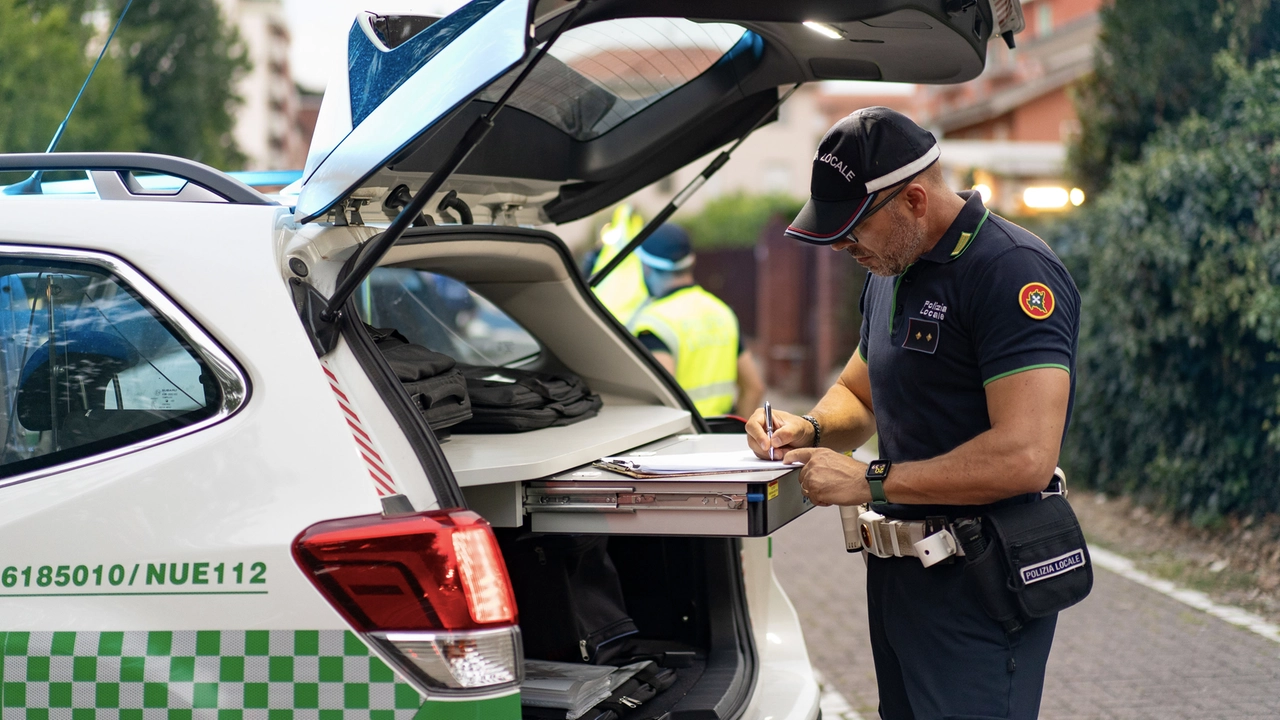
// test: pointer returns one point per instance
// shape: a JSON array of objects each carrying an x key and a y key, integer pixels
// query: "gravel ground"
[{"x": 1236, "y": 563}]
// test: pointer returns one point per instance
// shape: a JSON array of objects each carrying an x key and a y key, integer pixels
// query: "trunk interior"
[
  {"x": 685, "y": 598},
  {"x": 598, "y": 598}
]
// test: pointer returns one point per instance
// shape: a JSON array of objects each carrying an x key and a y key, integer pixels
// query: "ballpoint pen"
[{"x": 768, "y": 425}]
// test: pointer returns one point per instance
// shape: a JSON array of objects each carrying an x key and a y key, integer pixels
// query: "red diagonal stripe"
[
  {"x": 375, "y": 455},
  {"x": 382, "y": 486},
  {"x": 378, "y": 467},
  {"x": 358, "y": 429},
  {"x": 349, "y": 411},
  {"x": 339, "y": 392}
]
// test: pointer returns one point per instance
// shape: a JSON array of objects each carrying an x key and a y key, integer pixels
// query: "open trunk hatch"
[{"x": 634, "y": 90}]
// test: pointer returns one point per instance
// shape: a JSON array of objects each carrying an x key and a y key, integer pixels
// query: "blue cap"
[{"x": 668, "y": 248}]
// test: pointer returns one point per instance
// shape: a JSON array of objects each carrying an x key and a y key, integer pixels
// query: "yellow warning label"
[{"x": 773, "y": 490}]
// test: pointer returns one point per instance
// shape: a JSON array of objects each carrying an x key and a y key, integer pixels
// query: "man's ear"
[{"x": 917, "y": 199}]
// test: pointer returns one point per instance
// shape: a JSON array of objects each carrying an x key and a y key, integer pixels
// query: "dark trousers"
[{"x": 937, "y": 654}]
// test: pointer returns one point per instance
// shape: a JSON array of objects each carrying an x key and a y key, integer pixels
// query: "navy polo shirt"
[{"x": 988, "y": 301}]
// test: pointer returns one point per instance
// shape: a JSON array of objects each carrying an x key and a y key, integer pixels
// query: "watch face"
[{"x": 878, "y": 468}]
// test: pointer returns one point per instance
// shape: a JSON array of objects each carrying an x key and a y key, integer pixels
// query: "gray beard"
[{"x": 906, "y": 246}]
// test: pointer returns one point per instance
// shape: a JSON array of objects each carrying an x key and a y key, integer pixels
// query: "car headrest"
[{"x": 92, "y": 359}]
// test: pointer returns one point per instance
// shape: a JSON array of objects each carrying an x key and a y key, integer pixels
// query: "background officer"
[
  {"x": 690, "y": 331},
  {"x": 965, "y": 368},
  {"x": 623, "y": 291}
]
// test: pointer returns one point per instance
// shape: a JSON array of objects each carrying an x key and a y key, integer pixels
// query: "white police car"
[{"x": 216, "y": 499}]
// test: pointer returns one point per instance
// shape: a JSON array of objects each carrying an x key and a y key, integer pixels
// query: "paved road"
[{"x": 1125, "y": 652}]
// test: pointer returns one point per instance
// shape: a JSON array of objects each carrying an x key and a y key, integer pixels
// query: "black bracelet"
[{"x": 817, "y": 429}]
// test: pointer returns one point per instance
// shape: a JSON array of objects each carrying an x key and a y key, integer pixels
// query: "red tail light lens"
[
  {"x": 428, "y": 591},
  {"x": 438, "y": 570}
]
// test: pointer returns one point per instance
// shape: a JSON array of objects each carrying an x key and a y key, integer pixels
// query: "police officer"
[
  {"x": 965, "y": 368},
  {"x": 623, "y": 291},
  {"x": 690, "y": 331}
]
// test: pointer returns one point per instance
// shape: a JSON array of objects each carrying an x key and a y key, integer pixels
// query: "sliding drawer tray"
[{"x": 596, "y": 501}]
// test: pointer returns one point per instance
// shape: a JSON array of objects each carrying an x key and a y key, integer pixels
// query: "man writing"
[{"x": 965, "y": 368}]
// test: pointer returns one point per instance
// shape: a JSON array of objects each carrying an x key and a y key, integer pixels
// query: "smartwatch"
[{"x": 877, "y": 471}]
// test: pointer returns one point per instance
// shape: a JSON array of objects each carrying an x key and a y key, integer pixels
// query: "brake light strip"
[{"x": 383, "y": 483}]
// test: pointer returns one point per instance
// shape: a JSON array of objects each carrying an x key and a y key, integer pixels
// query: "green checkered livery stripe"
[{"x": 198, "y": 675}]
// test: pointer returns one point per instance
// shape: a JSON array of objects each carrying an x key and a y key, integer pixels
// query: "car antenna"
[
  {"x": 684, "y": 195},
  {"x": 372, "y": 253},
  {"x": 31, "y": 186}
]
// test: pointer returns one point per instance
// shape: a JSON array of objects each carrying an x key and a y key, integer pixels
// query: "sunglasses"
[{"x": 876, "y": 208}]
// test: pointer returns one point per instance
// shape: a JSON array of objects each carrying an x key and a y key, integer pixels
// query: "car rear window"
[
  {"x": 443, "y": 314},
  {"x": 88, "y": 366},
  {"x": 597, "y": 76}
]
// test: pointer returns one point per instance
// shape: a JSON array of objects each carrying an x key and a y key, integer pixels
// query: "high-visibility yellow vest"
[
  {"x": 702, "y": 333},
  {"x": 624, "y": 290}
]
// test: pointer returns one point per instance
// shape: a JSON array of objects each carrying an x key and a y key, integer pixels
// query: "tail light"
[{"x": 429, "y": 590}]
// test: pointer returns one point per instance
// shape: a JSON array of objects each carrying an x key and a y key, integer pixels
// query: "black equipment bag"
[
  {"x": 1035, "y": 563},
  {"x": 505, "y": 400},
  {"x": 432, "y": 379},
  {"x": 635, "y": 692},
  {"x": 569, "y": 595}
]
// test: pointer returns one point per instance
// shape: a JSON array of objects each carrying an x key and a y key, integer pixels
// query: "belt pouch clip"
[
  {"x": 869, "y": 528},
  {"x": 937, "y": 545}
]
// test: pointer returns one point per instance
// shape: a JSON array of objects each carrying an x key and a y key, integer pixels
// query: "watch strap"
[{"x": 877, "y": 492}]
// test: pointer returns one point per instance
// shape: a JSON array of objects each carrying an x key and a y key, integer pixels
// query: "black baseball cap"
[
  {"x": 668, "y": 248},
  {"x": 870, "y": 150}
]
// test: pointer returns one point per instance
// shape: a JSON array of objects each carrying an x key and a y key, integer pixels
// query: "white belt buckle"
[
  {"x": 936, "y": 548},
  {"x": 869, "y": 528}
]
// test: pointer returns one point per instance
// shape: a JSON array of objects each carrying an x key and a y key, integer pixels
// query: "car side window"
[
  {"x": 443, "y": 314},
  {"x": 88, "y": 366}
]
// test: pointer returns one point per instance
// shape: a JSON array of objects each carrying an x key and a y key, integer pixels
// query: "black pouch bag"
[
  {"x": 431, "y": 378},
  {"x": 505, "y": 400},
  {"x": 1036, "y": 562},
  {"x": 569, "y": 595}
]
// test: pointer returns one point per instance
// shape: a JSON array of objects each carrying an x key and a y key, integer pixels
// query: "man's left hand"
[{"x": 830, "y": 478}]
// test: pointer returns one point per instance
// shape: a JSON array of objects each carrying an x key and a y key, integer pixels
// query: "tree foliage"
[
  {"x": 187, "y": 59},
  {"x": 1178, "y": 398},
  {"x": 736, "y": 220},
  {"x": 1154, "y": 66},
  {"x": 167, "y": 83},
  {"x": 42, "y": 66}
]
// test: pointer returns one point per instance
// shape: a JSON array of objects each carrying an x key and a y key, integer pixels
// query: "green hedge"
[
  {"x": 735, "y": 220},
  {"x": 1178, "y": 396}
]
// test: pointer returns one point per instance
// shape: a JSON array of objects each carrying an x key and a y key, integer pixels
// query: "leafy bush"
[
  {"x": 1178, "y": 396},
  {"x": 735, "y": 220},
  {"x": 1153, "y": 66}
]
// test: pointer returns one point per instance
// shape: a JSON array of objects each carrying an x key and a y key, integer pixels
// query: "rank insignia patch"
[
  {"x": 1036, "y": 300},
  {"x": 922, "y": 336}
]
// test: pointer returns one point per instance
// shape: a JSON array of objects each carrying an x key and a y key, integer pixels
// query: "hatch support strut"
[
  {"x": 683, "y": 195},
  {"x": 372, "y": 253}
]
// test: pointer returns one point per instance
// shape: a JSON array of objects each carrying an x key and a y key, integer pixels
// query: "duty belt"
[{"x": 931, "y": 540}]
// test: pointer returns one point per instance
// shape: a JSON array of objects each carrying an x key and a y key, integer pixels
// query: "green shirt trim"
[{"x": 1064, "y": 368}]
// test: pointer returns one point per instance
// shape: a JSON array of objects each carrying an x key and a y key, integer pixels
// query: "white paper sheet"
[{"x": 737, "y": 461}]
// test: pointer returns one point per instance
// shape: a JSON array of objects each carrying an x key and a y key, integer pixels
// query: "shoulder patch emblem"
[{"x": 1036, "y": 300}]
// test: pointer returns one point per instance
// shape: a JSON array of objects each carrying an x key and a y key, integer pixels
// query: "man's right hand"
[{"x": 790, "y": 432}]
